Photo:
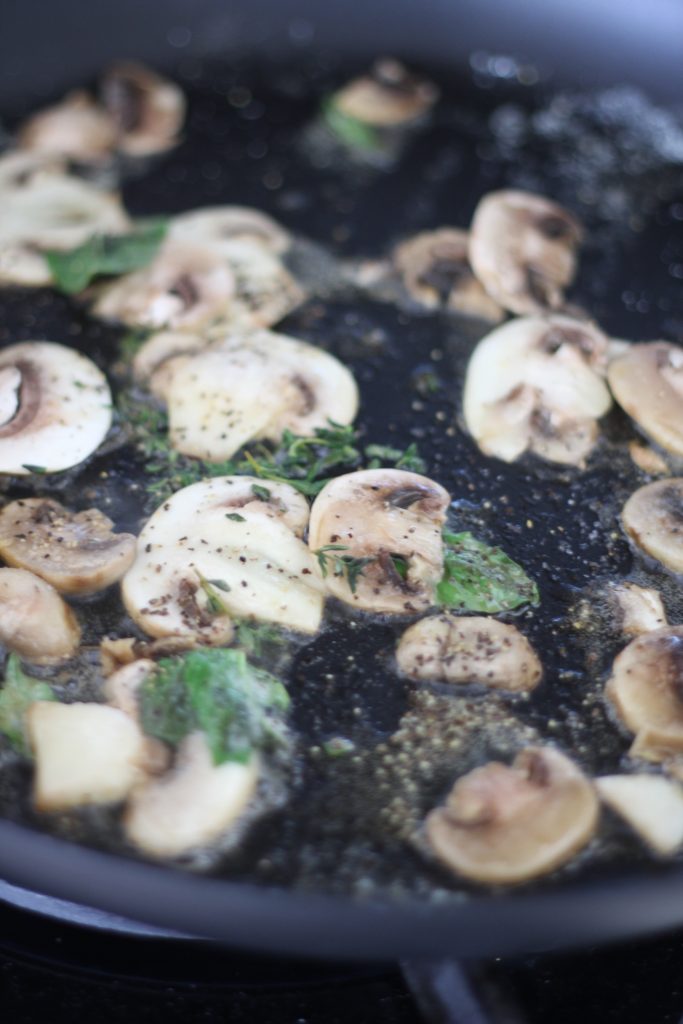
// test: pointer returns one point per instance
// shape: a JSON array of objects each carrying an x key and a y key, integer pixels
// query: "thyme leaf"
[{"x": 481, "y": 578}]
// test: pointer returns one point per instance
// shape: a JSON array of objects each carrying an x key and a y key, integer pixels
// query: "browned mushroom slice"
[
  {"x": 645, "y": 689},
  {"x": 647, "y": 381},
  {"x": 503, "y": 825},
  {"x": 76, "y": 128},
  {"x": 389, "y": 96},
  {"x": 653, "y": 519},
  {"x": 77, "y": 552},
  {"x": 523, "y": 250},
  {"x": 148, "y": 110},
  {"x": 469, "y": 649},
  {"x": 225, "y": 225},
  {"x": 35, "y": 622}
]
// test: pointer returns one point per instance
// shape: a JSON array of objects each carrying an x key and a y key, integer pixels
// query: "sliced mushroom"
[
  {"x": 254, "y": 386},
  {"x": 148, "y": 110},
  {"x": 193, "y": 804},
  {"x": 35, "y": 622},
  {"x": 216, "y": 550},
  {"x": 123, "y": 651},
  {"x": 648, "y": 459},
  {"x": 503, "y": 825},
  {"x": 77, "y": 552},
  {"x": 650, "y": 804},
  {"x": 76, "y": 128},
  {"x": 469, "y": 649},
  {"x": 653, "y": 519},
  {"x": 57, "y": 407},
  {"x": 435, "y": 271},
  {"x": 157, "y": 358},
  {"x": 389, "y": 96},
  {"x": 537, "y": 384},
  {"x": 225, "y": 225},
  {"x": 647, "y": 381},
  {"x": 376, "y": 517},
  {"x": 639, "y": 609},
  {"x": 121, "y": 690},
  {"x": 523, "y": 250}
]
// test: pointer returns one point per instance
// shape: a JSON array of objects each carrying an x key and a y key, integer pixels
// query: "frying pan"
[{"x": 319, "y": 876}]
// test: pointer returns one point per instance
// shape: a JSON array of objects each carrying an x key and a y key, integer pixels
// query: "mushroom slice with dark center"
[
  {"x": 647, "y": 382},
  {"x": 523, "y": 250},
  {"x": 56, "y": 407},
  {"x": 653, "y": 519},
  {"x": 366, "y": 523},
  {"x": 76, "y": 128},
  {"x": 469, "y": 649},
  {"x": 35, "y": 622},
  {"x": 389, "y": 96},
  {"x": 503, "y": 825},
  {"x": 218, "y": 225},
  {"x": 77, "y": 552},
  {"x": 537, "y": 384},
  {"x": 148, "y": 110}
]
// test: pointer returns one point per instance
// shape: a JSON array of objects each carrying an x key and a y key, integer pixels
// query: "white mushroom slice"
[
  {"x": 193, "y": 804},
  {"x": 35, "y": 622},
  {"x": 218, "y": 225},
  {"x": 378, "y": 515},
  {"x": 76, "y": 128},
  {"x": 645, "y": 689},
  {"x": 537, "y": 384},
  {"x": 469, "y": 649},
  {"x": 640, "y": 609},
  {"x": 157, "y": 350},
  {"x": 84, "y": 754},
  {"x": 76, "y": 552},
  {"x": 218, "y": 530},
  {"x": 650, "y": 804},
  {"x": 254, "y": 387},
  {"x": 523, "y": 250},
  {"x": 435, "y": 270},
  {"x": 62, "y": 408},
  {"x": 647, "y": 381},
  {"x": 148, "y": 110},
  {"x": 502, "y": 825},
  {"x": 121, "y": 690},
  {"x": 19, "y": 169},
  {"x": 389, "y": 96},
  {"x": 653, "y": 519}
]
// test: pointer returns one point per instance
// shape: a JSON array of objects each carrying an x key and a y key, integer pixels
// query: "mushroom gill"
[{"x": 147, "y": 110}]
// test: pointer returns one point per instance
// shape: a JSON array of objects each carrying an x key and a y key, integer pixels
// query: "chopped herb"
[
  {"x": 262, "y": 493},
  {"x": 79, "y": 384},
  {"x": 259, "y": 640},
  {"x": 235, "y": 517},
  {"x": 481, "y": 578},
  {"x": 238, "y": 707},
  {"x": 33, "y": 469},
  {"x": 16, "y": 696},
  {"x": 338, "y": 746},
  {"x": 349, "y": 130},
  {"x": 383, "y": 455},
  {"x": 400, "y": 565},
  {"x": 214, "y": 603},
  {"x": 73, "y": 271},
  {"x": 221, "y": 584},
  {"x": 342, "y": 565},
  {"x": 132, "y": 341}
]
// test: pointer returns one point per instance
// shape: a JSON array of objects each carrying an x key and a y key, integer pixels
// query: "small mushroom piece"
[
  {"x": 148, "y": 110},
  {"x": 653, "y": 519},
  {"x": 225, "y": 225},
  {"x": 469, "y": 649},
  {"x": 435, "y": 271},
  {"x": 650, "y": 804},
  {"x": 639, "y": 609},
  {"x": 57, "y": 407},
  {"x": 35, "y": 622},
  {"x": 193, "y": 804},
  {"x": 523, "y": 250},
  {"x": 77, "y": 552},
  {"x": 381, "y": 519},
  {"x": 121, "y": 690},
  {"x": 645, "y": 688},
  {"x": 76, "y": 128},
  {"x": 507, "y": 824},
  {"x": 388, "y": 97},
  {"x": 648, "y": 459},
  {"x": 536, "y": 384},
  {"x": 647, "y": 382}
]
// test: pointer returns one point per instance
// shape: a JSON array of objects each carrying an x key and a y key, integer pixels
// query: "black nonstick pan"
[{"x": 333, "y": 871}]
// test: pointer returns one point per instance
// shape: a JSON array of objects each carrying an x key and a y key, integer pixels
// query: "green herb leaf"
[
  {"x": 262, "y": 493},
  {"x": 259, "y": 640},
  {"x": 235, "y": 517},
  {"x": 34, "y": 469},
  {"x": 349, "y": 130},
  {"x": 400, "y": 565},
  {"x": 385, "y": 455},
  {"x": 481, "y": 578},
  {"x": 342, "y": 565},
  {"x": 73, "y": 271},
  {"x": 17, "y": 694}
]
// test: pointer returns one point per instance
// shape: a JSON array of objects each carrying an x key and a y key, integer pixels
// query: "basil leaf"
[
  {"x": 347, "y": 129},
  {"x": 16, "y": 696},
  {"x": 481, "y": 578},
  {"x": 73, "y": 271}
]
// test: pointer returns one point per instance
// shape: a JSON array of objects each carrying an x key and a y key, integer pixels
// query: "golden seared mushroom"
[
  {"x": 647, "y": 382},
  {"x": 650, "y": 804},
  {"x": 253, "y": 387},
  {"x": 55, "y": 406},
  {"x": 653, "y": 519},
  {"x": 225, "y": 225},
  {"x": 229, "y": 546},
  {"x": 77, "y": 552},
  {"x": 638, "y": 609},
  {"x": 536, "y": 384},
  {"x": 469, "y": 649},
  {"x": 35, "y": 622},
  {"x": 388, "y": 97},
  {"x": 147, "y": 110},
  {"x": 435, "y": 271},
  {"x": 377, "y": 536},
  {"x": 76, "y": 128},
  {"x": 523, "y": 250},
  {"x": 507, "y": 824},
  {"x": 646, "y": 691}
]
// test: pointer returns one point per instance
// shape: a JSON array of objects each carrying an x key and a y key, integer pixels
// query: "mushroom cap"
[
  {"x": 148, "y": 110},
  {"x": 536, "y": 384},
  {"x": 653, "y": 519},
  {"x": 646, "y": 690},
  {"x": 389, "y": 96},
  {"x": 76, "y": 128},
  {"x": 374, "y": 514},
  {"x": 62, "y": 412},
  {"x": 647, "y": 382},
  {"x": 469, "y": 649},
  {"x": 223, "y": 225},
  {"x": 504, "y": 825},
  {"x": 650, "y": 804},
  {"x": 76, "y": 552},
  {"x": 35, "y": 622},
  {"x": 523, "y": 250}
]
